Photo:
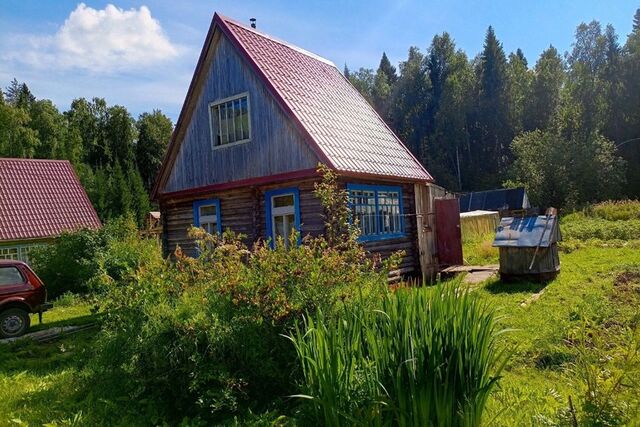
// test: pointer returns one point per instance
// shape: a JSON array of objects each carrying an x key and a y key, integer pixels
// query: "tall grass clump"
[
  {"x": 615, "y": 210},
  {"x": 425, "y": 357}
]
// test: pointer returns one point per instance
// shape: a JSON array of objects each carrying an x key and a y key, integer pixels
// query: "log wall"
[{"x": 243, "y": 211}]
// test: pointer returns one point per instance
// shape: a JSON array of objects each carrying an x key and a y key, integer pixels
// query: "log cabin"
[{"x": 260, "y": 114}]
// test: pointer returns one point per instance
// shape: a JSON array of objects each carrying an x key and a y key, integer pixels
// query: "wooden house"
[
  {"x": 259, "y": 116},
  {"x": 39, "y": 199}
]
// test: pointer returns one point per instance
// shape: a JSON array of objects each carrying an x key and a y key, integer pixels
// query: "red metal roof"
[
  {"x": 41, "y": 198},
  {"x": 341, "y": 123}
]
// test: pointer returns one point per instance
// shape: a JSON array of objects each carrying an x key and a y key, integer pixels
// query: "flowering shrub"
[{"x": 204, "y": 336}]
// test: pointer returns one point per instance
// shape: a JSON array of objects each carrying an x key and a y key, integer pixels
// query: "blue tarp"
[
  {"x": 527, "y": 232},
  {"x": 495, "y": 200}
]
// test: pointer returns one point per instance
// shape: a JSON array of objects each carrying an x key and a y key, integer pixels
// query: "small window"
[
  {"x": 283, "y": 214},
  {"x": 9, "y": 253},
  {"x": 378, "y": 210},
  {"x": 206, "y": 214},
  {"x": 10, "y": 276},
  {"x": 230, "y": 121}
]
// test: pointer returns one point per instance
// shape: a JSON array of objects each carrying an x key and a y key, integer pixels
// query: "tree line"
[
  {"x": 115, "y": 156},
  {"x": 567, "y": 128}
]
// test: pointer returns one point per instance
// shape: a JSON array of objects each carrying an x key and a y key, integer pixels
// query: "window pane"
[
  {"x": 209, "y": 227},
  {"x": 389, "y": 206},
  {"x": 282, "y": 201},
  {"x": 244, "y": 107},
  {"x": 215, "y": 125},
  {"x": 230, "y": 121},
  {"x": 208, "y": 210},
  {"x": 10, "y": 276},
  {"x": 8, "y": 253},
  {"x": 278, "y": 221},
  {"x": 237, "y": 120}
]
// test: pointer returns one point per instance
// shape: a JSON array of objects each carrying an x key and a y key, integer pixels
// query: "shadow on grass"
[
  {"x": 500, "y": 287},
  {"x": 72, "y": 321}
]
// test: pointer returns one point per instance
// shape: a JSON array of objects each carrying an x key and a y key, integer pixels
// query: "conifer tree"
[
  {"x": 492, "y": 131},
  {"x": 387, "y": 69}
]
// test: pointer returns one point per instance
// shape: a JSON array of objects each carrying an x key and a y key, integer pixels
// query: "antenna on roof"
[{"x": 253, "y": 22}]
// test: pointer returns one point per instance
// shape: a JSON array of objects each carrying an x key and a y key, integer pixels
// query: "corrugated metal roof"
[
  {"x": 340, "y": 121},
  {"x": 41, "y": 198},
  {"x": 495, "y": 200},
  {"x": 527, "y": 232}
]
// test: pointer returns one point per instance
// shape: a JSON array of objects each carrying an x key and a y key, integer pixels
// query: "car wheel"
[{"x": 14, "y": 322}]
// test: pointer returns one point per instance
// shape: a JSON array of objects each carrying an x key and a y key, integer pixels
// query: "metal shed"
[{"x": 528, "y": 247}]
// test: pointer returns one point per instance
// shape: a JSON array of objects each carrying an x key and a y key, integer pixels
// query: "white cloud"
[{"x": 100, "y": 41}]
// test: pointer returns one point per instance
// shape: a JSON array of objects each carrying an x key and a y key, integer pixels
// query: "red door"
[{"x": 449, "y": 238}]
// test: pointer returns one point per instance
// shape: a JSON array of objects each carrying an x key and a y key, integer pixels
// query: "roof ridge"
[
  {"x": 34, "y": 160},
  {"x": 278, "y": 40}
]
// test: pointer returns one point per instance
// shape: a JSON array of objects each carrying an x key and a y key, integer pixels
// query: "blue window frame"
[
  {"x": 206, "y": 214},
  {"x": 282, "y": 213},
  {"x": 378, "y": 210}
]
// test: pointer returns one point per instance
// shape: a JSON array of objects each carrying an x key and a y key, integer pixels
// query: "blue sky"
[{"x": 141, "y": 54}]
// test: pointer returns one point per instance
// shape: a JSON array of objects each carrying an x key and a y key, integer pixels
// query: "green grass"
[
  {"x": 478, "y": 250},
  {"x": 581, "y": 302},
  {"x": 80, "y": 313},
  {"x": 576, "y": 341}
]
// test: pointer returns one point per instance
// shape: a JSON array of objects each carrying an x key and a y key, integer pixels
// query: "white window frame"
[
  {"x": 208, "y": 219},
  {"x": 223, "y": 101},
  {"x": 6, "y": 252},
  {"x": 283, "y": 211}
]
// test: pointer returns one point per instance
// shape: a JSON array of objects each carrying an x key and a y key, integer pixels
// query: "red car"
[{"x": 21, "y": 293}]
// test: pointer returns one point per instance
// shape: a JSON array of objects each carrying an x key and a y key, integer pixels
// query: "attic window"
[{"x": 229, "y": 121}]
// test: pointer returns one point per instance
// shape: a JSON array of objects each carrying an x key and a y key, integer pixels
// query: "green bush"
[
  {"x": 203, "y": 336},
  {"x": 426, "y": 357},
  {"x": 77, "y": 259},
  {"x": 70, "y": 262}
]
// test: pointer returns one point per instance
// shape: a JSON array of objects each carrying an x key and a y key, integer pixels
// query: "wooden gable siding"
[
  {"x": 276, "y": 146},
  {"x": 243, "y": 211}
]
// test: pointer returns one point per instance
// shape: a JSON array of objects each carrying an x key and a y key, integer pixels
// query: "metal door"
[{"x": 448, "y": 236}]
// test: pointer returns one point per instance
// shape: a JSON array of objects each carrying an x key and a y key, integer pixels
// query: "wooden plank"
[{"x": 272, "y": 133}]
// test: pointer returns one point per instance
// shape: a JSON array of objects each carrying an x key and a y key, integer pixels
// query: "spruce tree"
[
  {"x": 387, "y": 69},
  {"x": 120, "y": 197},
  {"x": 492, "y": 131},
  {"x": 410, "y": 102}
]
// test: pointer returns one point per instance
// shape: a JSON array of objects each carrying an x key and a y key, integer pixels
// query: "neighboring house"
[
  {"x": 504, "y": 199},
  {"x": 259, "y": 116},
  {"x": 39, "y": 199}
]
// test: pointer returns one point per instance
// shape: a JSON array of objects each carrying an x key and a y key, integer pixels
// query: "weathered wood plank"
[{"x": 272, "y": 133}]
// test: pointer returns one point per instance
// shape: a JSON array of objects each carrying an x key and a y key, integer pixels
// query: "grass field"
[{"x": 579, "y": 342}]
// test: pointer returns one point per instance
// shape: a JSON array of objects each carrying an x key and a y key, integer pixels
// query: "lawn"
[{"x": 575, "y": 343}]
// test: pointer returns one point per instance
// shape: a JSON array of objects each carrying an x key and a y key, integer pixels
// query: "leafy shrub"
[
  {"x": 204, "y": 335},
  {"x": 77, "y": 259},
  {"x": 426, "y": 357},
  {"x": 615, "y": 210},
  {"x": 69, "y": 263}
]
